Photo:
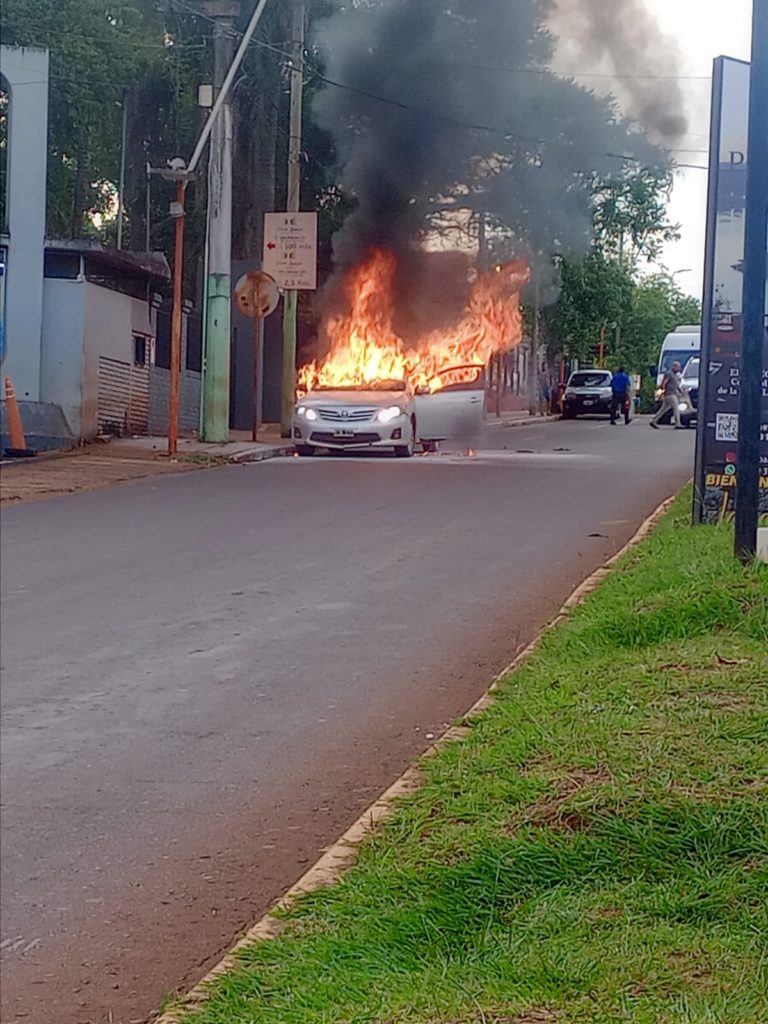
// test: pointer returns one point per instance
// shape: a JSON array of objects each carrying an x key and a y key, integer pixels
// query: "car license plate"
[{"x": 343, "y": 433}]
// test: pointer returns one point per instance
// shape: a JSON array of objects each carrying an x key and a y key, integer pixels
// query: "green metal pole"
[
  {"x": 216, "y": 377},
  {"x": 216, "y": 383}
]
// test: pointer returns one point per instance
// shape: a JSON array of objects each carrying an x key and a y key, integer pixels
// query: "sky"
[{"x": 703, "y": 29}]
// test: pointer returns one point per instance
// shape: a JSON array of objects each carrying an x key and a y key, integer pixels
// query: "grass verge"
[{"x": 595, "y": 850}]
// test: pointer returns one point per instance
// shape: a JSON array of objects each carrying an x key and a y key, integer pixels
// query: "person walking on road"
[
  {"x": 672, "y": 389},
  {"x": 621, "y": 399}
]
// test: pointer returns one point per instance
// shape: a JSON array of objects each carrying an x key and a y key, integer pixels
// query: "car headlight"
[
  {"x": 683, "y": 407},
  {"x": 605, "y": 393},
  {"x": 307, "y": 412},
  {"x": 390, "y": 413}
]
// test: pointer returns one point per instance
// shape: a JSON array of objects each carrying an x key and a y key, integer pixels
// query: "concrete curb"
[
  {"x": 342, "y": 854},
  {"x": 528, "y": 421},
  {"x": 261, "y": 454}
]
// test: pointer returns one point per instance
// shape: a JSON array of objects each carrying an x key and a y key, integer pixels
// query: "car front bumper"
[
  {"x": 585, "y": 405},
  {"x": 349, "y": 437}
]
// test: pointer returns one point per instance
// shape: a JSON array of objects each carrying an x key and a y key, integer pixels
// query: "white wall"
[
  {"x": 111, "y": 319},
  {"x": 26, "y": 72},
  {"x": 61, "y": 364}
]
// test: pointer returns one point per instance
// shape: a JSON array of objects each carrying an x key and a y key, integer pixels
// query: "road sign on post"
[{"x": 290, "y": 250}]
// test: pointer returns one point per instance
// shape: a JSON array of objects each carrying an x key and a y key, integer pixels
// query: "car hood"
[{"x": 370, "y": 399}]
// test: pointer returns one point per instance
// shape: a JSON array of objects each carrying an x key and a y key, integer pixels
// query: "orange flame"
[{"x": 363, "y": 345}]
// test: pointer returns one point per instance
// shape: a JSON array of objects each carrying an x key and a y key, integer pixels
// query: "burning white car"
[
  {"x": 376, "y": 415},
  {"x": 388, "y": 414},
  {"x": 374, "y": 389}
]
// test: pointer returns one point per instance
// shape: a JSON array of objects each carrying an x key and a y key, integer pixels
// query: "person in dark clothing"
[{"x": 621, "y": 386}]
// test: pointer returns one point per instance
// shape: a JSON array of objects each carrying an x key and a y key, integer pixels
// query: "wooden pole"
[
  {"x": 178, "y": 296},
  {"x": 256, "y": 377}
]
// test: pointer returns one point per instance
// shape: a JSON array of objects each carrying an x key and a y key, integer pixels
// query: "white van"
[{"x": 680, "y": 346}]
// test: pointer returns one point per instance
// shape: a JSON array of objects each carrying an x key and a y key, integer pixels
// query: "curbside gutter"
[
  {"x": 342, "y": 854},
  {"x": 261, "y": 454},
  {"x": 525, "y": 421}
]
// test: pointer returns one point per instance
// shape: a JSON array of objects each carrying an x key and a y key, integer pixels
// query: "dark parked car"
[{"x": 587, "y": 391}]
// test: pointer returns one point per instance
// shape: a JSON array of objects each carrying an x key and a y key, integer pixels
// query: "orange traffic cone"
[{"x": 15, "y": 431}]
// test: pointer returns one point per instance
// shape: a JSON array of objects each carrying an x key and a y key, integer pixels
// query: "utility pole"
[
  {"x": 175, "y": 171},
  {"x": 121, "y": 185},
  {"x": 533, "y": 363},
  {"x": 753, "y": 333},
  {"x": 174, "y": 384},
  {"x": 181, "y": 173},
  {"x": 482, "y": 241},
  {"x": 290, "y": 299},
  {"x": 215, "y": 405}
]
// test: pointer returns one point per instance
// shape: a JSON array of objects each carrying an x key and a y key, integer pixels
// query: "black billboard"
[{"x": 716, "y": 448}]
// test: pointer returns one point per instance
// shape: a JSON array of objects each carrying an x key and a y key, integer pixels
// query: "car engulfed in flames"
[{"x": 373, "y": 390}]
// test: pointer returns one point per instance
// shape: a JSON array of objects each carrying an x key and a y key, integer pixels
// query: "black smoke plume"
[
  {"x": 622, "y": 37},
  {"x": 445, "y": 110}
]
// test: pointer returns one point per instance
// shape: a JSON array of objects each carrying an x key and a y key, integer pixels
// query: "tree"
[
  {"x": 596, "y": 295},
  {"x": 630, "y": 213},
  {"x": 97, "y": 51},
  {"x": 658, "y": 307},
  {"x": 630, "y": 224}
]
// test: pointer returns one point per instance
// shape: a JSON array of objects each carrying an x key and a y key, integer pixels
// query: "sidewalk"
[
  {"x": 98, "y": 465},
  {"x": 239, "y": 449},
  {"x": 589, "y": 847}
]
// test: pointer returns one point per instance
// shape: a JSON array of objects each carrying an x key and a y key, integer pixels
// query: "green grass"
[{"x": 595, "y": 850}]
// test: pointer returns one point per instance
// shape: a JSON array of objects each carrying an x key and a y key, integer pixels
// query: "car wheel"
[
  {"x": 405, "y": 451},
  {"x": 305, "y": 449},
  {"x": 569, "y": 414}
]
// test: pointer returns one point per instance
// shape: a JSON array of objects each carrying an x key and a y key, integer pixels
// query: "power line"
[
  {"x": 504, "y": 68},
  {"x": 511, "y": 136},
  {"x": 557, "y": 72}
]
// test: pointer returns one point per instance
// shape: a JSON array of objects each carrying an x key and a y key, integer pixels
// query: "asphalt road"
[{"x": 207, "y": 677}]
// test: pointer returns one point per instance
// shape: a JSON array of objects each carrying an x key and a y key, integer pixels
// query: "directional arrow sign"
[{"x": 290, "y": 249}]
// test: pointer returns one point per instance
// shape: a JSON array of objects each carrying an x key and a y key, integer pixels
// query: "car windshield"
[
  {"x": 460, "y": 378},
  {"x": 373, "y": 385},
  {"x": 670, "y": 357},
  {"x": 590, "y": 380},
  {"x": 692, "y": 369}
]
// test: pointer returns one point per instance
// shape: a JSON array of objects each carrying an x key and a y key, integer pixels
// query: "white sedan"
[
  {"x": 379, "y": 415},
  {"x": 388, "y": 415}
]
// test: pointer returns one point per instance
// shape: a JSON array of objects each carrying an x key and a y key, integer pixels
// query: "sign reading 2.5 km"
[{"x": 290, "y": 249}]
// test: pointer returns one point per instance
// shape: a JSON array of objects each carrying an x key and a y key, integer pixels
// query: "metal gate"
[{"x": 123, "y": 397}]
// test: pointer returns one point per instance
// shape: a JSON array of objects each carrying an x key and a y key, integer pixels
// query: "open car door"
[{"x": 455, "y": 409}]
